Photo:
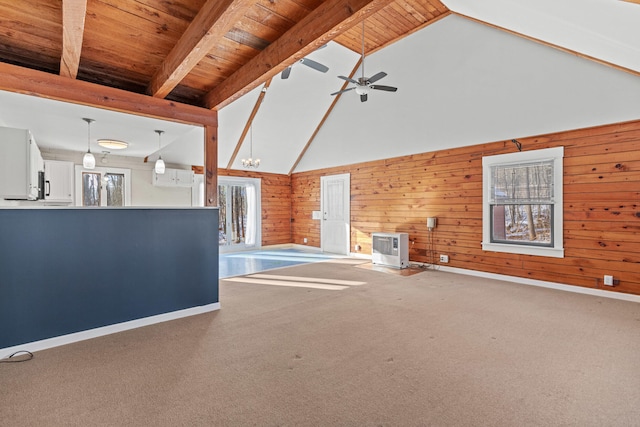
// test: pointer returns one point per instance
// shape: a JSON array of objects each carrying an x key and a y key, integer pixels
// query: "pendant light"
[
  {"x": 159, "y": 168},
  {"x": 251, "y": 162},
  {"x": 88, "y": 161}
]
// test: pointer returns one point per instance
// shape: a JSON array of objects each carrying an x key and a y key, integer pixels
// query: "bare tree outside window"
[{"x": 522, "y": 203}]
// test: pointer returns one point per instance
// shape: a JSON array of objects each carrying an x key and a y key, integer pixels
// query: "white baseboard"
[
  {"x": 106, "y": 330},
  {"x": 541, "y": 283},
  {"x": 291, "y": 246},
  {"x": 359, "y": 255}
]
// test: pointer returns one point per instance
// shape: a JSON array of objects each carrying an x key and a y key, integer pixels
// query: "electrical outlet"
[
  {"x": 304, "y": 240},
  {"x": 444, "y": 259},
  {"x": 608, "y": 280}
]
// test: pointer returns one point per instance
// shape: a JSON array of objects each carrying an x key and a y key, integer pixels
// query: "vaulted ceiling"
[
  {"x": 200, "y": 52},
  {"x": 220, "y": 54}
]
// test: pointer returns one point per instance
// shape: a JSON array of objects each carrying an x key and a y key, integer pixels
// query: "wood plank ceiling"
[{"x": 199, "y": 52}]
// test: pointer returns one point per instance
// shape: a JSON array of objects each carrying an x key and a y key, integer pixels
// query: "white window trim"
[{"x": 556, "y": 154}]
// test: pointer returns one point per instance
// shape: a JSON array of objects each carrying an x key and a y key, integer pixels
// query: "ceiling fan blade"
[
  {"x": 363, "y": 97},
  {"x": 315, "y": 65},
  {"x": 387, "y": 88},
  {"x": 343, "y": 91},
  {"x": 355, "y": 82},
  {"x": 377, "y": 77},
  {"x": 286, "y": 72}
]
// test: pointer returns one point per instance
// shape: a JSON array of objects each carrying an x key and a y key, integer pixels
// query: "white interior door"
[{"x": 335, "y": 206}]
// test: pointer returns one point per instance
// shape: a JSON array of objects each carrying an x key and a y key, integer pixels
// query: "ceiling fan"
[
  {"x": 309, "y": 63},
  {"x": 364, "y": 84}
]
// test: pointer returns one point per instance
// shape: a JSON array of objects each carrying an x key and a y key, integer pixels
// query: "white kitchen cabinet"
[
  {"x": 173, "y": 178},
  {"x": 20, "y": 165},
  {"x": 58, "y": 181}
]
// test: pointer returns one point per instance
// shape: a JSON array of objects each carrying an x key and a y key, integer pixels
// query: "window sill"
[{"x": 524, "y": 250}]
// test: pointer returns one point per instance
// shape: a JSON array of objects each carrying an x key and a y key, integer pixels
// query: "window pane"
[
  {"x": 238, "y": 213},
  {"x": 115, "y": 189},
  {"x": 90, "y": 189},
  {"x": 526, "y": 224},
  {"x": 222, "y": 215},
  {"x": 522, "y": 183}
]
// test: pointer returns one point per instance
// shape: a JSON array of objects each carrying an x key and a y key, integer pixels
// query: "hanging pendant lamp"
[
  {"x": 88, "y": 161},
  {"x": 159, "y": 167},
  {"x": 251, "y": 162}
]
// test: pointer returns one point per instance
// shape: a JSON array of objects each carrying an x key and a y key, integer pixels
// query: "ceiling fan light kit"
[{"x": 363, "y": 84}]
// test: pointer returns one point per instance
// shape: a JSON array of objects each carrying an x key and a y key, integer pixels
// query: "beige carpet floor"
[{"x": 347, "y": 346}]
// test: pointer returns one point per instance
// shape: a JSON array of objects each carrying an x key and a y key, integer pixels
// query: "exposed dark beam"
[
  {"x": 51, "y": 86},
  {"x": 322, "y": 25},
  {"x": 73, "y": 14},
  {"x": 211, "y": 165},
  {"x": 213, "y": 21},
  {"x": 247, "y": 125}
]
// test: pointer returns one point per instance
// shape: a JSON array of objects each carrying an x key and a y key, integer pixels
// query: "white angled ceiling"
[
  {"x": 608, "y": 30},
  {"x": 463, "y": 83},
  {"x": 293, "y": 108}
]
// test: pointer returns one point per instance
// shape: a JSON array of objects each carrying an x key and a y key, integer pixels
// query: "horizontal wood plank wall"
[
  {"x": 601, "y": 206},
  {"x": 276, "y": 204}
]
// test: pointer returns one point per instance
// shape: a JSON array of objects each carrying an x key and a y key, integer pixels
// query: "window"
[
  {"x": 522, "y": 202},
  {"x": 103, "y": 187}
]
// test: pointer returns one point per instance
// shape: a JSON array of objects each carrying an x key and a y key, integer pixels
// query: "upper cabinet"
[
  {"x": 173, "y": 178},
  {"x": 58, "y": 182},
  {"x": 21, "y": 166}
]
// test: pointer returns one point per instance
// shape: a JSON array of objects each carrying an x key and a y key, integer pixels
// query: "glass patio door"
[{"x": 239, "y": 219}]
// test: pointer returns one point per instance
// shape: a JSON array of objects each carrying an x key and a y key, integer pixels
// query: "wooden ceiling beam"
[
  {"x": 73, "y": 15},
  {"x": 322, "y": 25},
  {"x": 215, "y": 19},
  {"x": 45, "y": 85},
  {"x": 247, "y": 125}
]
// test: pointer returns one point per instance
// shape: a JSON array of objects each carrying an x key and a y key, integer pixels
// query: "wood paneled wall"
[
  {"x": 276, "y": 204},
  {"x": 601, "y": 207}
]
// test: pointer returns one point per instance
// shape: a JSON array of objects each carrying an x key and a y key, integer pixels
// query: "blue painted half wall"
[{"x": 68, "y": 270}]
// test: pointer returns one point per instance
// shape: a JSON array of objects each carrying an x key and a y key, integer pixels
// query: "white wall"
[
  {"x": 143, "y": 192},
  {"x": 462, "y": 83}
]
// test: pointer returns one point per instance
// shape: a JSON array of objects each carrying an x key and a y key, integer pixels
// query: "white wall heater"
[{"x": 390, "y": 249}]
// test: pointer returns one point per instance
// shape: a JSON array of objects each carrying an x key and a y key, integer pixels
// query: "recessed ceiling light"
[{"x": 112, "y": 144}]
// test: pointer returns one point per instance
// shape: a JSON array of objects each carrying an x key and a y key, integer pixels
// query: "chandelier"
[{"x": 251, "y": 162}]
